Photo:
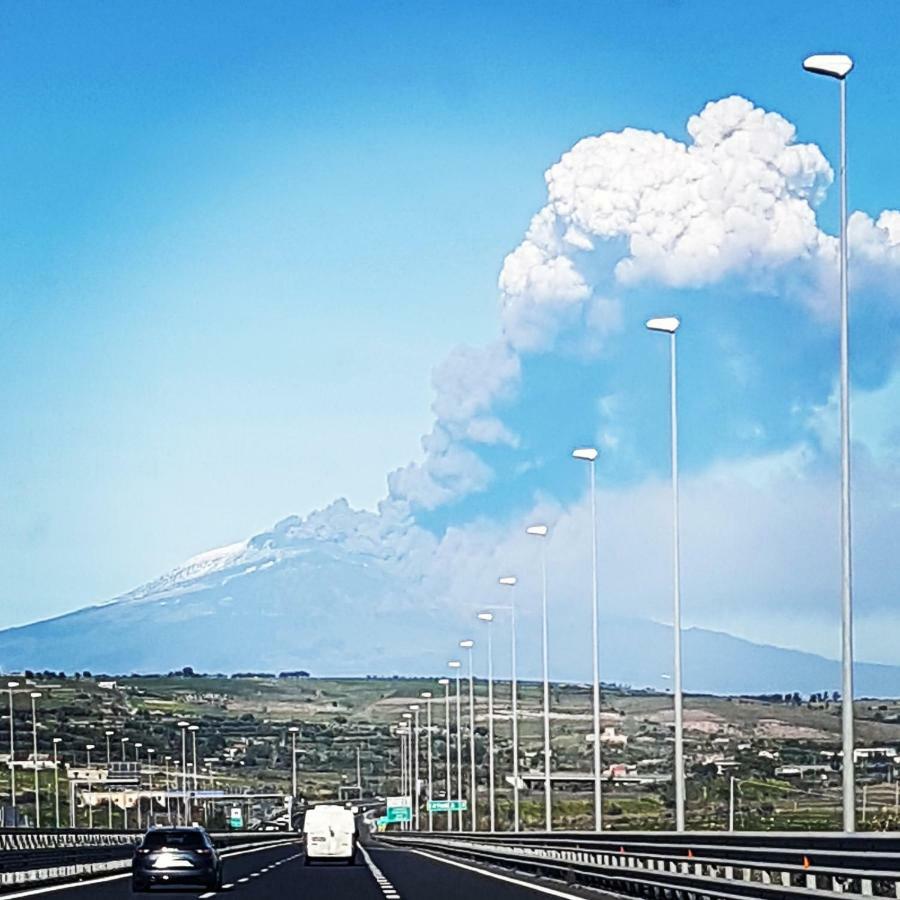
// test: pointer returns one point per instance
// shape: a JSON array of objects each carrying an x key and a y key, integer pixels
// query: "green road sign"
[
  {"x": 398, "y": 814},
  {"x": 236, "y": 819},
  {"x": 447, "y": 805}
]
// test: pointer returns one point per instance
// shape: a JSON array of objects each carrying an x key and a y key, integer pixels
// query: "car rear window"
[{"x": 157, "y": 840}]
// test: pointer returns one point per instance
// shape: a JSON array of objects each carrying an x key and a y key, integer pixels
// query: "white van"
[{"x": 330, "y": 833}]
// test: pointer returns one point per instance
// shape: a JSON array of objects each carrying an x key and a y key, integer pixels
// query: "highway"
[{"x": 276, "y": 872}]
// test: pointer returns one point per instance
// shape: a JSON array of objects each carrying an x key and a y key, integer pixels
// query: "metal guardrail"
[
  {"x": 687, "y": 866},
  {"x": 29, "y": 856}
]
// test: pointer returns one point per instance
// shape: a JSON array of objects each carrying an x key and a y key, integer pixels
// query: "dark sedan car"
[{"x": 176, "y": 857}]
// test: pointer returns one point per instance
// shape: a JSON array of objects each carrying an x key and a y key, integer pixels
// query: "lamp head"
[
  {"x": 667, "y": 324},
  {"x": 426, "y": 695},
  {"x": 109, "y": 733},
  {"x": 454, "y": 664},
  {"x": 508, "y": 581},
  {"x": 467, "y": 644},
  {"x": 539, "y": 530},
  {"x": 407, "y": 715},
  {"x": 183, "y": 724},
  {"x": 12, "y": 684},
  {"x": 486, "y": 616},
  {"x": 35, "y": 695},
  {"x": 414, "y": 707},
  {"x": 57, "y": 740},
  {"x": 89, "y": 747},
  {"x": 193, "y": 727},
  {"x": 586, "y": 453},
  {"x": 443, "y": 681},
  {"x": 835, "y": 65}
]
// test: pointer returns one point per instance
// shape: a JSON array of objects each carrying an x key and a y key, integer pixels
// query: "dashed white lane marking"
[
  {"x": 541, "y": 889},
  {"x": 387, "y": 888}
]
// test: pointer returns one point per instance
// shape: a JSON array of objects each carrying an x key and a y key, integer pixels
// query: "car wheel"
[
  {"x": 351, "y": 860},
  {"x": 139, "y": 887},
  {"x": 307, "y": 861}
]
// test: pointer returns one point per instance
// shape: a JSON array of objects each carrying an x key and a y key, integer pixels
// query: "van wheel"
[{"x": 307, "y": 861}]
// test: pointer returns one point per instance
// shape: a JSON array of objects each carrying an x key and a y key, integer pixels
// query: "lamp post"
[
  {"x": 137, "y": 759},
  {"x": 410, "y": 787},
  {"x": 511, "y": 581},
  {"x": 124, "y": 741},
  {"x": 193, "y": 729},
  {"x": 108, "y": 734},
  {"x": 168, "y": 760},
  {"x": 293, "y": 730},
  {"x": 456, "y": 665},
  {"x": 838, "y": 66},
  {"x": 11, "y": 686},
  {"x": 541, "y": 532},
  {"x": 427, "y": 697},
  {"x": 669, "y": 325},
  {"x": 151, "y": 812},
  {"x": 90, "y": 805},
  {"x": 467, "y": 645},
  {"x": 488, "y": 617},
  {"x": 445, "y": 683},
  {"x": 56, "y": 742},
  {"x": 35, "y": 696},
  {"x": 415, "y": 709},
  {"x": 589, "y": 455},
  {"x": 185, "y": 809}
]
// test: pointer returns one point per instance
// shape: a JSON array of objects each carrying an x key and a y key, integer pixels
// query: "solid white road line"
[{"x": 541, "y": 889}]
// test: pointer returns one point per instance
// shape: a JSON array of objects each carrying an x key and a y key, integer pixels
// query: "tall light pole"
[
  {"x": 467, "y": 645},
  {"x": 445, "y": 683},
  {"x": 124, "y": 741},
  {"x": 151, "y": 812},
  {"x": 168, "y": 760},
  {"x": 427, "y": 697},
  {"x": 410, "y": 787},
  {"x": 137, "y": 759},
  {"x": 11, "y": 686},
  {"x": 90, "y": 805},
  {"x": 294, "y": 730},
  {"x": 185, "y": 809},
  {"x": 415, "y": 709},
  {"x": 456, "y": 665},
  {"x": 589, "y": 454},
  {"x": 837, "y": 65},
  {"x": 56, "y": 742},
  {"x": 193, "y": 729},
  {"x": 669, "y": 325},
  {"x": 108, "y": 735},
  {"x": 511, "y": 581},
  {"x": 35, "y": 696},
  {"x": 488, "y": 617},
  {"x": 541, "y": 532}
]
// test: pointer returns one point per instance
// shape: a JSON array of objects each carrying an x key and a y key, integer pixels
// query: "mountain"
[{"x": 334, "y": 598}]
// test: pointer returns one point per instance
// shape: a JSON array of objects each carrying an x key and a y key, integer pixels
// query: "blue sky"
[{"x": 237, "y": 239}]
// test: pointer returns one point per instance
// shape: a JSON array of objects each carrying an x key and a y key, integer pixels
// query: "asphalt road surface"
[{"x": 278, "y": 872}]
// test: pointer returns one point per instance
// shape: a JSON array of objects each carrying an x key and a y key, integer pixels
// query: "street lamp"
[
  {"x": 489, "y": 618},
  {"x": 11, "y": 686},
  {"x": 185, "y": 810},
  {"x": 445, "y": 683},
  {"x": 411, "y": 788},
  {"x": 669, "y": 325},
  {"x": 456, "y": 665},
  {"x": 415, "y": 708},
  {"x": 541, "y": 532},
  {"x": 90, "y": 805},
  {"x": 838, "y": 65},
  {"x": 108, "y": 734},
  {"x": 193, "y": 729},
  {"x": 427, "y": 696},
  {"x": 35, "y": 696},
  {"x": 168, "y": 760},
  {"x": 293, "y": 730},
  {"x": 589, "y": 455},
  {"x": 511, "y": 581},
  {"x": 467, "y": 645},
  {"x": 56, "y": 742},
  {"x": 137, "y": 759},
  {"x": 124, "y": 741},
  {"x": 151, "y": 813}
]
